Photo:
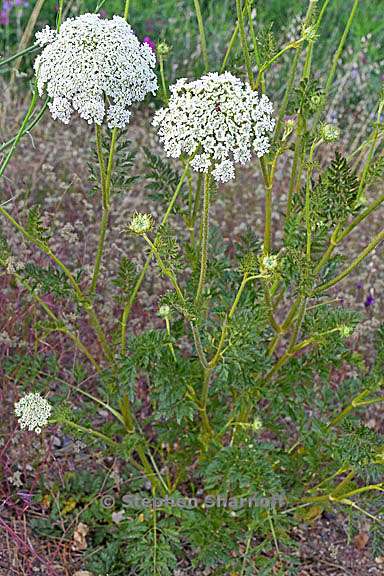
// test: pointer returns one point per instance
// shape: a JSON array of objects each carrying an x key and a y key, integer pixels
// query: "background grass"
[{"x": 174, "y": 21}]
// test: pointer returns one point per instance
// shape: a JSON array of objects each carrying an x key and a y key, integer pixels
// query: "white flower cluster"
[
  {"x": 218, "y": 116},
  {"x": 33, "y": 412},
  {"x": 90, "y": 62}
]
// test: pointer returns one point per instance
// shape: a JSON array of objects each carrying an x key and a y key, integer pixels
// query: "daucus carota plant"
[{"x": 238, "y": 361}]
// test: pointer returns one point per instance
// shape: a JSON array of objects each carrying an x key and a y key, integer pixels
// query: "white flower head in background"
[
  {"x": 218, "y": 116},
  {"x": 96, "y": 67},
  {"x": 33, "y": 412}
]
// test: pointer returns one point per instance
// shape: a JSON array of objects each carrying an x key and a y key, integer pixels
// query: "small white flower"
[
  {"x": 96, "y": 67},
  {"x": 45, "y": 36},
  {"x": 33, "y": 412},
  {"x": 224, "y": 171},
  {"x": 220, "y": 118}
]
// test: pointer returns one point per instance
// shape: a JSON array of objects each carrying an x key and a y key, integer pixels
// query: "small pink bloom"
[{"x": 150, "y": 42}]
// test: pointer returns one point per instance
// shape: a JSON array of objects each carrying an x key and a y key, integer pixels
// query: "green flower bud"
[
  {"x": 140, "y": 224},
  {"x": 164, "y": 311},
  {"x": 345, "y": 330},
  {"x": 163, "y": 50},
  {"x": 330, "y": 132},
  {"x": 268, "y": 265},
  {"x": 257, "y": 425}
]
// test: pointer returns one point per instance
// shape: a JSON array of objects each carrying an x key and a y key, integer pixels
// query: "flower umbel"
[
  {"x": 330, "y": 132},
  {"x": 140, "y": 223},
  {"x": 218, "y": 116},
  {"x": 33, "y": 412},
  {"x": 92, "y": 61},
  {"x": 268, "y": 265}
]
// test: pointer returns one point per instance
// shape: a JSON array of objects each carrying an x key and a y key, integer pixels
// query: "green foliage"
[
  {"x": 162, "y": 178},
  {"x": 168, "y": 247},
  {"x": 5, "y": 251},
  {"x": 358, "y": 446},
  {"x": 124, "y": 158},
  {"x": 47, "y": 280},
  {"x": 335, "y": 194},
  {"x": 35, "y": 227},
  {"x": 248, "y": 389},
  {"x": 125, "y": 278},
  {"x": 307, "y": 98}
]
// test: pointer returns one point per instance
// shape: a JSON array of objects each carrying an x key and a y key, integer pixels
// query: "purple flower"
[
  {"x": 147, "y": 40},
  {"x": 4, "y": 18},
  {"x": 26, "y": 497},
  {"x": 6, "y": 9},
  {"x": 369, "y": 301}
]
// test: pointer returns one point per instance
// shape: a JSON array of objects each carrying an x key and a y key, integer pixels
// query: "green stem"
[
  {"x": 139, "y": 281},
  {"x": 27, "y": 128},
  {"x": 170, "y": 345},
  {"x": 60, "y": 327},
  {"x": 255, "y": 44},
  {"x": 199, "y": 346},
  {"x": 355, "y": 402},
  {"x": 200, "y": 24},
  {"x": 292, "y": 74},
  {"x": 296, "y": 167},
  {"x": 268, "y": 301},
  {"x": 106, "y": 176},
  {"x": 204, "y": 401},
  {"x": 28, "y": 50},
  {"x": 260, "y": 76},
  {"x": 231, "y": 44},
  {"x": 163, "y": 83},
  {"x": 99, "y": 150},
  {"x": 335, "y": 60},
  {"x": 367, "y": 165},
  {"x": 84, "y": 430},
  {"x": 20, "y": 132},
  {"x": 308, "y": 201},
  {"x": 126, "y": 9},
  {"x": 244, "y": 43},
  {"x": 268, "y": 181},
  {"x": 165, "y": 270},
  {"x": 204, "y": 238},
  {"x": 59, "y": 15},
  {"x": 364, "y": 214},
  {"x": 371, "y": 246},
  {"x": 80, "y": 296}
]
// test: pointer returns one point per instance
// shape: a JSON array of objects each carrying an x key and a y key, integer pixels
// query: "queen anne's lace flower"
[
  {"x": 92, "y": 61},
  {"x": 220, "y": 118},
  {"x": 33, "y": 412}
]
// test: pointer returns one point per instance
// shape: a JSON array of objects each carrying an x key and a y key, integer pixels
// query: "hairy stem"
[
  {"x": 371, "y": 246},
  {"x": 244, "y": 43},
  {"x": 106, "y": 176},
  {"x": 139, "y": 281},
  {"x": 204, "y": 238},
  {"x": 203, "y": 43}
]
